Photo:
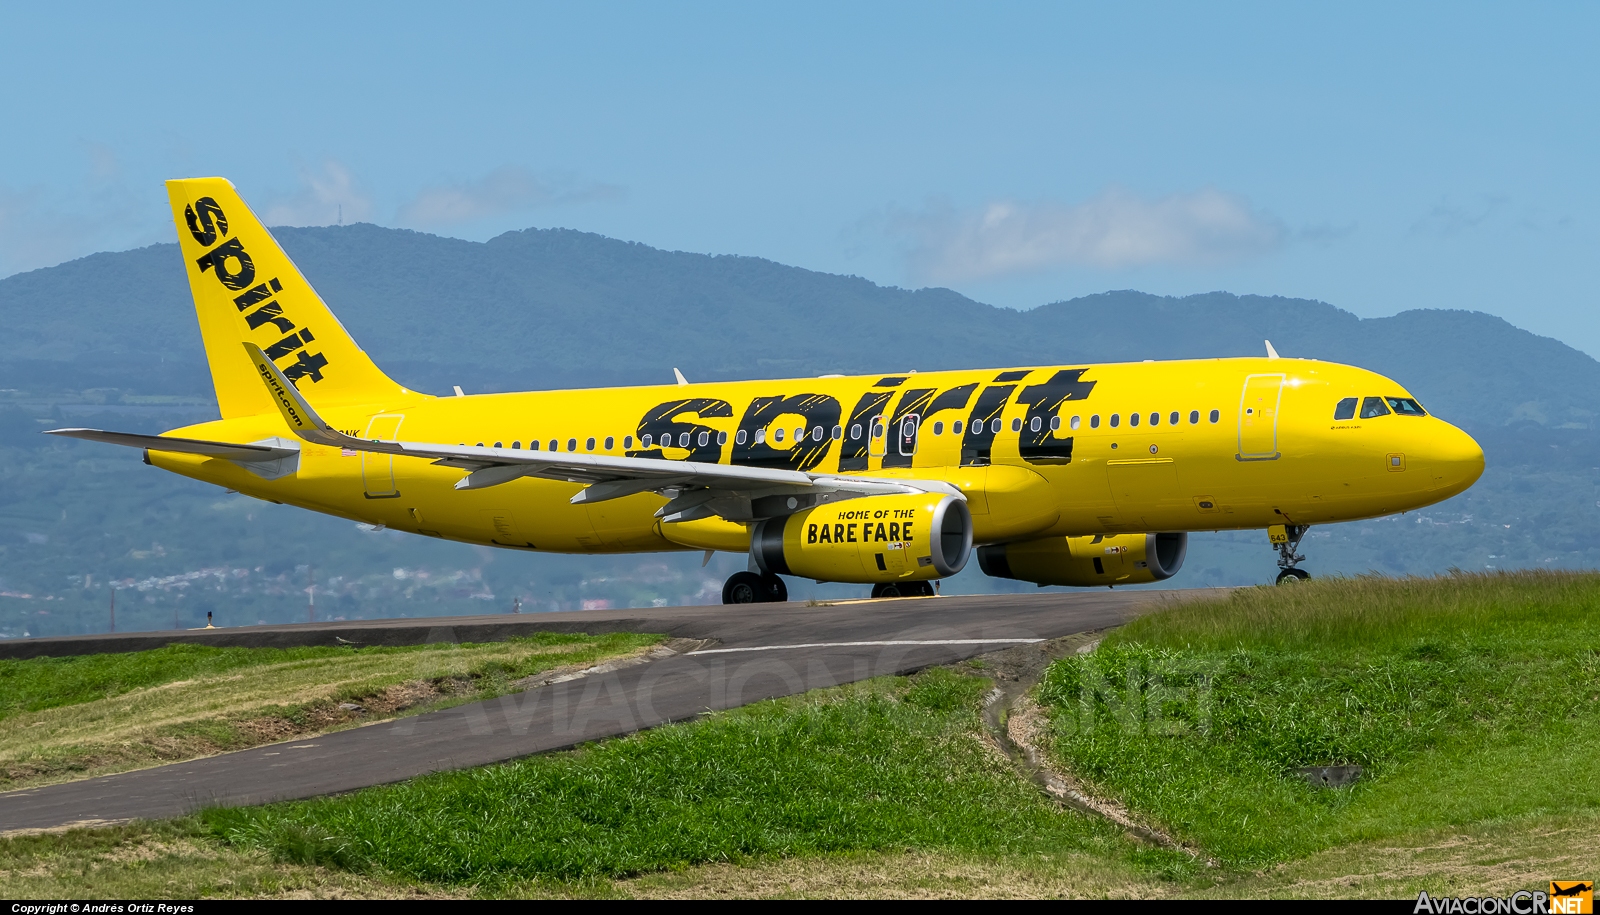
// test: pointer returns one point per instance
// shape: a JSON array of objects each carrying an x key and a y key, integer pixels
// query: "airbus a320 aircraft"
[{"x": 1059, "y": 475}]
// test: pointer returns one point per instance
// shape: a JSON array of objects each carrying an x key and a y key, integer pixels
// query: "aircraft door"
[
  {"x": 878, "y": 437},
  {"x": 910, "y": 424},
  {"x": 1258, "y": 417},
  {"x": 377, "y": 470}
]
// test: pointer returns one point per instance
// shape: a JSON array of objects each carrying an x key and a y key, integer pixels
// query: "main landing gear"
[
  {"x": 1286, "y": 539},
  {"x": 754, "y": 588},
  {"x": 903, "y": 589}
]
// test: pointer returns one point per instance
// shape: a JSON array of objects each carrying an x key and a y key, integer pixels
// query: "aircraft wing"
[
  {"x": 232, "y": 451},
  {"x": 695, "y": 490}
]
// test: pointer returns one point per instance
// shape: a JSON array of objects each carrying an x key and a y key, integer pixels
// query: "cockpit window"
[
  {"x": 1373, "y": 406},
  {"x": 1346, "y": 409},
  {"x": 1405, "y": 406}
]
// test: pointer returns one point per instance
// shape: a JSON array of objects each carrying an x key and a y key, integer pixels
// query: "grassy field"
[
  {"x": 897, "y": 764},
  {"x": 1468, "y": 700},
  {"x": 1470, "y": 703},
  {"x": 64, "y": 718}
]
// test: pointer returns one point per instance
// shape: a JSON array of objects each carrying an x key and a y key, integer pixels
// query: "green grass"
[
  {"x": 882, "y": 765},
  {"x": 1465, "y": 699},
  {"x": 79, "y": 716}
]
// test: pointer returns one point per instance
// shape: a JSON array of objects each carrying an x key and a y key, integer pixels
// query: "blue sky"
[{"x": 1379, "y": 157}]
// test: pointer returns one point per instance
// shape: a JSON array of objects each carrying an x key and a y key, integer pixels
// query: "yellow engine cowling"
[
  {"x": 914, "y": 537},
  {"x": 1111, "y": 559}
]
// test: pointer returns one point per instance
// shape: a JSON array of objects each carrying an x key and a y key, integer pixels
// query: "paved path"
[{"x": 758, "y": 652}]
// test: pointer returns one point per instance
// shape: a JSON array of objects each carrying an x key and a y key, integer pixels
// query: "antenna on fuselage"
[
  {"x": 682, "y": 381},
  {"x": 1271, "y": 353}
]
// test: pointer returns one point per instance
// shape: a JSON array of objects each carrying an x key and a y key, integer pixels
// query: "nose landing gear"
[
  {"x": 754, "y": 588},
  {"x": 1286, "y": 539}
]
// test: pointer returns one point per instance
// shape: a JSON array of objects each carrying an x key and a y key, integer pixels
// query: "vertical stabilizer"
[{"x": 246, "y": 290}]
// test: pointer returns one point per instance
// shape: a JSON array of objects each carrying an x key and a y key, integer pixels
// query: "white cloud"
[
  {"x": 1111, "y": 230},
  {"x": 325, "y": 197},
  {"x": 507, "y": 189}
]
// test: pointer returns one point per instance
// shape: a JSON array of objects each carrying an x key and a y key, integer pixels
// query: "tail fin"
[{"x": 247, "y": 290}]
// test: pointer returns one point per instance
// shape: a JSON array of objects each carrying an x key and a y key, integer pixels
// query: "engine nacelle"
[
  {"x": 1109, "y": 559},
  {"x": 913, "y": 537}
]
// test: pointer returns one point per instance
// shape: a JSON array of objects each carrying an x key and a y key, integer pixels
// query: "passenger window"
[
  {"x": 1094, "y": 421},
  {"x": 838, "y": 432},
  {"x": 938, "y": 428},
  {"x": 955, "y": 427},
  {"x": 1155, "y": 419},
  {"x": 1345, "y": 410},
  {"x": 1055, "y": 424},
  {"x": 799, "y": 434},
  {"x": 1035, "y": 424},
  {"x": 1116, "y": 420},
  {"x": 627, "y": 443},
  {"x": 704, "y": 439},
  {"x": 1373, "y": 407},
  {"x": 817, "y": 433},
  {"x": 533, "y": 445},
  {"x": 588, "y": 445},
  {"x": 1016, "y": 425},
  {"x": 555, "y": 445},
  {"x": 683, "y": 440},
  {"x": 777, "y": 435},
  {"x": 1405, "y": 406},
  {"x": 516, "y": 446},
  {"x": 1173, "y": 419},
  {"x": 647, "y": 440},
  {"x": 478, "y": 445},
  {"x": 1194, "y": 417},
  {"x": 722, "y": 438},
  {"x": 1215, "y": 415},
  {"x": 1076, "y": 421},
  {"x": 855, "y": 431},
  {"x": 1133, "y": 419},
  {"x": 761, "y": 436},
  {"x": 740, "y": 437},
  {"x": 572, "y": 444},
  {"x": 610, "y": 443},
  {"x": 498, "y": 445}
]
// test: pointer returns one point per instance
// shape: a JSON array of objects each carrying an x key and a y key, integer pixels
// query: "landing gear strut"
[
  {"x": 1286, "y": 538},
  {"x": 902, "y": 589},
  {"x": 753, "y": 588}
]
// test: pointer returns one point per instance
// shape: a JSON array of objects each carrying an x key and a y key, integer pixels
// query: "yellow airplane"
[{"x": 1059, "y": 475}]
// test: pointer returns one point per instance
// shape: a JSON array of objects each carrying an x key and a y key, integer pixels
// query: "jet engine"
[
  {"x": 1103, "y": 559},
  {"x": 913, "y": 537}
]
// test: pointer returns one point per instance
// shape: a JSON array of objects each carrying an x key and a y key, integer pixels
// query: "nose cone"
[{"x": 1454, "y": 460}]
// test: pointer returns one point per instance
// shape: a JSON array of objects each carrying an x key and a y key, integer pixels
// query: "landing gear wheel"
[
  {"x": 773, "y": 589},
  {"x": 1292, "y": 576},
  {"x": 902, "y": 589},
  {"x": 742, "y": 588},
  {"x": 750, "y": 588}
]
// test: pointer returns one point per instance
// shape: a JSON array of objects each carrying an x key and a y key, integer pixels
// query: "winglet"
[
  {"x": 682, "y": 381},
  {"x": 1271, "y": 353},
  {"x": 295, "y": 411}
]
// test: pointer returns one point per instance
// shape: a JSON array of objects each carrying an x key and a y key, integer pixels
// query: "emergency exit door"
[
  {"x": 377, "y": 470},
  {"x": 1258, "y": 417}
]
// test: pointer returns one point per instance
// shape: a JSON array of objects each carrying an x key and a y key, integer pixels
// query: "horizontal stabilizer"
[
  {"x": 229, "y": 450},
  {"x": 268, "y": 459}
]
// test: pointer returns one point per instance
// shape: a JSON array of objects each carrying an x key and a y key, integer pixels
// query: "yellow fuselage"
[{"x": 1265, "y": 450}]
